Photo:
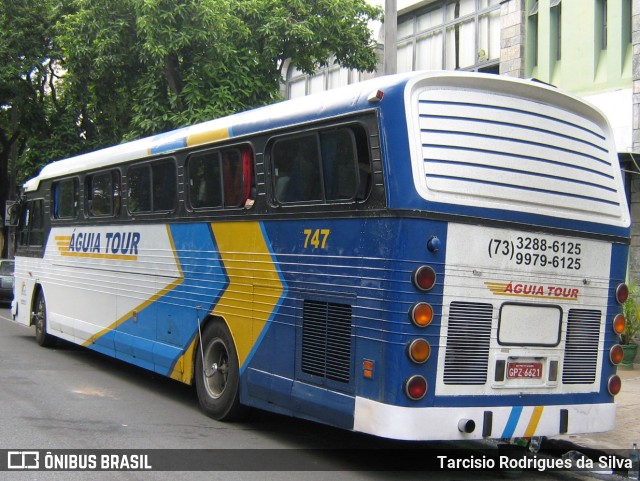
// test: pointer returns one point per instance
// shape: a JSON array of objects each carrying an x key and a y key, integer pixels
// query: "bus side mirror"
[{"x": 11, "y": 213}]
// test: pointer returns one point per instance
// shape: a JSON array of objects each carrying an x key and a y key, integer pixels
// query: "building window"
[
  {"x": 333, "y": 75},
  {"x": 556, "y": 27},
  {"x": 532, "y": 29},
  {"x": 602, "y": 21},
  {"x": 450, "y": 34}
]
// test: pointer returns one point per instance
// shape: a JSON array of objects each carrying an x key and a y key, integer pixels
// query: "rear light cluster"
[
  {"x": 614, "y": 384},
  {"x": 421, "y": 315}
]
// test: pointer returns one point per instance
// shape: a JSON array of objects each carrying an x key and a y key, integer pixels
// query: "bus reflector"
[
  {"x": 419, "y": 351},
  {"x": 424, "y": 278},
  {"x": 367, "y": 368},
  {"x": 615, "y": 354},
  {"x": 619, "y": 323},
  {"x": 622, "y": 293},
  {"x": 614, "y": 384},
  {"x": 415, "y": 387},
  {"x": 421, "y": 314}
]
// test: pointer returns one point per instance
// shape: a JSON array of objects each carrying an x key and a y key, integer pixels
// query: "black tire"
[
  {"x": 40, "y": 321},
  {"x": 217, "y": 379}
]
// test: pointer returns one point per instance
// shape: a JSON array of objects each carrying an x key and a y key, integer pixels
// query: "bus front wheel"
[
  {"x": 217, "y": 374},
  {"x": 40, "y": 321}
]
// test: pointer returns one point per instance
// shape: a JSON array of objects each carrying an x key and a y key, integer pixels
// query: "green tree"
[{"x": 138, "y": 67}]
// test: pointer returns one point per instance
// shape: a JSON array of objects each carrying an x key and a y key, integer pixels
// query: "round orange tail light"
[
  {"x": 619, "y": 323},
  {"x": 421, "y": 314},
  {"x": 419, "y": 351}
]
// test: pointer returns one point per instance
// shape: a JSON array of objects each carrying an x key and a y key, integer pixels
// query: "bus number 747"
[{"x": 316, "y": 238}]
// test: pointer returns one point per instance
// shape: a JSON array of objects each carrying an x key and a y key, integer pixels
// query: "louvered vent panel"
[
  {"x": 581, "y": 348},
  {"x": 481, "y": 147},
  {"x": 468, "y": 340},
  {"x": 326, "y": 340}
]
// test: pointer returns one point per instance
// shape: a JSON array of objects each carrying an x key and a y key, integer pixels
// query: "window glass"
[
  {"x": 331, "y": 165},
  {"x": 103, "y": 194},
  {"x": 65, "y": 199},
  {"x": 205, "y": 186},
  {"x": 297, "y": 169},
  {"x": 233, "y": 178},
  {"x": 139, "y": 183},
  {"x": 31, "y": 229},
  {"x": 339, "y": 164},
  {"x": 152, "y": 187},
  {"x": 164, "y": 185},
  {"x": 221, "y": 178}
]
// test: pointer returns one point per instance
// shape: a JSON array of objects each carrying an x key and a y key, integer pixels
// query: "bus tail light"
[
  {"x": 615, "y": 354},
  {"x": 419, "y": 351},
  {"x": 622, "y": 293},
  {"x": 415, "y": 387},
  {"x": 424, "y": 278},
  {"x": 619, "y": 323},
  {"x": 614, "y": 384},
  {"x": 421, "y": 314}
]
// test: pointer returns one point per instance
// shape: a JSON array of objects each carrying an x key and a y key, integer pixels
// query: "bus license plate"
[{"x": 524, "y": 370}]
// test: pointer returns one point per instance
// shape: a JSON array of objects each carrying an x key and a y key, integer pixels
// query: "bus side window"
[
  {"x": 139, "y": 193},
  {"x": 326, "y": 166},
  {"x": 32, "y": 225},
  {"x": 296, "y": 164},
  {"x": 164, "y": 185},
  {"x": 65, "y": 199},
  {"x": 103, "y": 194},
  {"x": 205, "y": 180}
]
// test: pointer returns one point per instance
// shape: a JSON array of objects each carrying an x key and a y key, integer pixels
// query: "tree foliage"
[{"x": 83, "y": 74}]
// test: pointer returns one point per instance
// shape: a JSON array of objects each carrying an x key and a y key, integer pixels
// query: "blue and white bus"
[{"x": 422, "y": 256}]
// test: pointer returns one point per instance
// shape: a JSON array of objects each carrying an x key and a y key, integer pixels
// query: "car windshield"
[{"x": 6, "y": 268}]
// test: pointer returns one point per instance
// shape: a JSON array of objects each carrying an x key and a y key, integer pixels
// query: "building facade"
[{"x": 590, "y": 48}]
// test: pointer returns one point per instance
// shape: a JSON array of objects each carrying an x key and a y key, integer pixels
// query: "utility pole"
[{"x": 390, "y": 37}]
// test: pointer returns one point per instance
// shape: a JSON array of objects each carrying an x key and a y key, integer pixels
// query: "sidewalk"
[{"x": 627, "y": 430}]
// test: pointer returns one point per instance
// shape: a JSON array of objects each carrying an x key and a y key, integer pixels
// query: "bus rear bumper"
[{"x": 498, "y": 422}]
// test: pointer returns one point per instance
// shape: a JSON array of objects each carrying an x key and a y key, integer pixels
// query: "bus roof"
[{"x": 323, "y": 105}]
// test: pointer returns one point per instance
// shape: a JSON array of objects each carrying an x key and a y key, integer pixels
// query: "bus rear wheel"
[
  {"x": 40, "y": 321},
  {"x": 217, "y": 374}
]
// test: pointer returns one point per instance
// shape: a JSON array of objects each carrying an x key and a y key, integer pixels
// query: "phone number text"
[{"x": 538, "y": 252}]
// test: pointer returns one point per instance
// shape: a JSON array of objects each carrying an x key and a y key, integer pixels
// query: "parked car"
[{"x": 6, "y": 280}]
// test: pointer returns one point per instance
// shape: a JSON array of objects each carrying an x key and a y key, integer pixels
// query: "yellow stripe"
[
  {"x": 146, "y": 303},
  {"x": 208, "y": 136},
  {"x": 254, "y": 284},
  {"x": 533, "y": 422}
]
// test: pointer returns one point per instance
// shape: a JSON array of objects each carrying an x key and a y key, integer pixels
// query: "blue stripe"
[{"x": 514, "y": 417}]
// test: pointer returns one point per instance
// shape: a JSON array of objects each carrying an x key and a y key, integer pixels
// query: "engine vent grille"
[
  {"x": 581, "y": 347},
  {"x": 468, "y": 340},
  {"x": 326, "y": 340}
]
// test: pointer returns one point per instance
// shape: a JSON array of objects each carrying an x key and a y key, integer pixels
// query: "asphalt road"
[{"x": 68, "y": 397}]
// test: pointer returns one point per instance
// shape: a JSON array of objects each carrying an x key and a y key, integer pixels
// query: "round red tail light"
[
  {"x": 622, "y": 293},
  {"x": 415, "y": 387},
  {"x": 616, "y": 354},
  {"x": 614, "y": 384},
  {"x": 424, "y": 278}
]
